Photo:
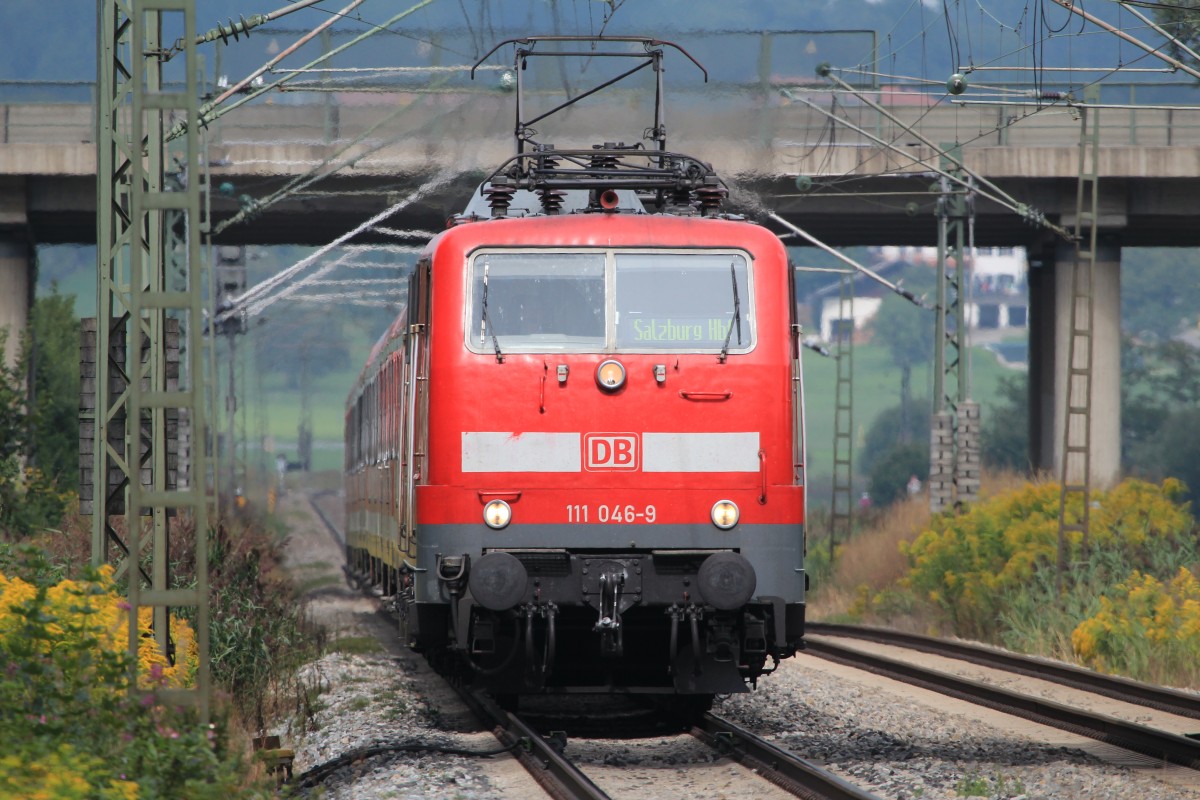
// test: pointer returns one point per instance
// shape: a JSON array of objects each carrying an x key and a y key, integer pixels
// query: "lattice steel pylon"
[
  {"x": 134, "y": 393},
  {"x": 950, "y": 364},
  {"x": 841, "y": 517},
  {"x": 1076, "y": 467}
]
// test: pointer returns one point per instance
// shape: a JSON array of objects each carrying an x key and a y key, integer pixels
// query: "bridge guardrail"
[{"x": 771, "y": 114}]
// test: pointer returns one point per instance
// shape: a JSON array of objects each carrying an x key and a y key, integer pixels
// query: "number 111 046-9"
[{"x": 604, "y": 513}]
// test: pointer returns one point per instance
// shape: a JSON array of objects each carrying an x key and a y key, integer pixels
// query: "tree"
[
  {"x": 1181, "y": 18},
  {"x": 52, "y": 362},
  {"x": 1006, "y": 426},
  {"x": 1160, "y": 392},
  {"x": 895, "y": 448},
  {"x": 892, "y": 426},
  {"x": 28, "y": 499},
  {"x": 1175, "y": 450},
  {"x": 13, "y": 433},
  {"x": 908, "y": 333},
  {"x": 1160, "y": 294},
  {"x": 895, "y": 467},
  {"x": 39, "y": 422},
  {"x": 301, "y": 335}
]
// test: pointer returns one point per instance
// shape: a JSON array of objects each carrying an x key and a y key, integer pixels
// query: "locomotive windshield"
[{"x": 610, "y": 301}]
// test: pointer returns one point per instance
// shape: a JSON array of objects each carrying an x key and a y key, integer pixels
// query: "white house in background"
[
  {"x": 835, "y": 315},
  {"x": 997, "y": 298}
]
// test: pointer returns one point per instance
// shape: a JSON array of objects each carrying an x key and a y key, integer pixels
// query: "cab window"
[{"x": 610, "y": 301}]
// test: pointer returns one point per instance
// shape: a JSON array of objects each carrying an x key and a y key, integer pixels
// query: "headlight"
[
  {"x": 725, "y": 514},
  {"x": 610, "y": 375},
  {"x": 497, "y": 514}
]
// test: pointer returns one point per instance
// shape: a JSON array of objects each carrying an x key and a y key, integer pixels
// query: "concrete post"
[
  {"x": 16, "y": 289},
  {"x": 1049, "y": 343},
  {"x": 1041, "y": 359}
]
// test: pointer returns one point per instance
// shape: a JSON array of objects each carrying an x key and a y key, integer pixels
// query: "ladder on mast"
[
  {"x": 841, "y": 518},
  {"x": 1077, "y": 423}
]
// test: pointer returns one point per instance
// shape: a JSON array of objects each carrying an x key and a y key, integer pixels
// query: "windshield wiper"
[
  {"x": 737, "y": 314},
  {"x": 485, "y": 322}
]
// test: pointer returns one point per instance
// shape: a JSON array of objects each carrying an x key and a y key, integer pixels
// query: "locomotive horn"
[{"x": 609, "y": 199}]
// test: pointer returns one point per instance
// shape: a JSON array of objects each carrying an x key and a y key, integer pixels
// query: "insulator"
[
  {"x": 499, "y": 197},
  {"x": 552, "y": 200},
  {"x": 603, "y": 161},
  {"x": 233, "y": 29},
  {"x": 546, "y": 164},
  {"x": 711, "y": 197}
]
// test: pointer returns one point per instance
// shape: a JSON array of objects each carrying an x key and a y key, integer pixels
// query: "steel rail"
[
  {"x": 562, "y": 779},
  {"x": 1158, "y": 744},
  {"x": 1159, "y": 698},
  {"x": 786, "y": 770},
  {"x": 554, "y": 773}
]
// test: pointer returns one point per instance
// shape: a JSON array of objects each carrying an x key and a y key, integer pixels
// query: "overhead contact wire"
[
  {"x": 253, "y": 294},
  {"x": 993, "y": 192},
  {"x": 209, "y": 111},
  {"x": 301, "y": 182}
]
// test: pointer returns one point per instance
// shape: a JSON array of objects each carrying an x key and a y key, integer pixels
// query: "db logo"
[{"x": 610, "y": 451}]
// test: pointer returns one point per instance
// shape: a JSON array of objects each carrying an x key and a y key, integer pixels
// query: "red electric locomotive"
[{"x": 576, "y": 459}]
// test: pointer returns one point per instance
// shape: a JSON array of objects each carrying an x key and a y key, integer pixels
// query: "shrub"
[
  {"x": 71, "y": 725},
  {"x": 1145, "y": 627},
  {"x": 894, "y": 469},
  {"x": 967, "y": 564},
  {"x": 258, "y": 635}
]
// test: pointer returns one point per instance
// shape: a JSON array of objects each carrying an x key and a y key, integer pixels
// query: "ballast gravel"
[
  {"x": 903, "y": 749},
  {"x": 886, "y": 741},
  {"x": 345, "y": 703},
  {"x": 372, "y": 700}
]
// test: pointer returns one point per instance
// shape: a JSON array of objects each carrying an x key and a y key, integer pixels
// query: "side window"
[
  {"x": 417, "y": 284},
  {"x": 355, "y": 444}
]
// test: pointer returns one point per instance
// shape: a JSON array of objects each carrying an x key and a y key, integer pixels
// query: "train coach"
[{"x": 575, "y": 462}]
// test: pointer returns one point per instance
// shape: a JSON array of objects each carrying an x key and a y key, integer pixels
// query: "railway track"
[
  {"x": 1170, "y": 747},
  {"x": 544, "y": 757},
  {"x": 782, "y": 768},
  {"x": 1159, "y": 698}
]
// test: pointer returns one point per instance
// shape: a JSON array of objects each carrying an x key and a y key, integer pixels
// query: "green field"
[{"x": 876, "y": 387}]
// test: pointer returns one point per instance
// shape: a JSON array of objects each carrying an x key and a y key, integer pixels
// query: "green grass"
[
  {"x": 311, "y": 585},
  {"x": 355, "y": 645},
  {"x": 876, "y": 387}
]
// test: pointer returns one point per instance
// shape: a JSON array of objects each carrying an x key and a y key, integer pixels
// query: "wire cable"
[
  {"x": 319, "y": 773},
  {"x": 209, "y": 111}
]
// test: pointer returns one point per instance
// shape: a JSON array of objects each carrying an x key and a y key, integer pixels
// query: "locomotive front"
[
  {"x": 612, "y": 494},
  {"x": 576, "y": 460}
]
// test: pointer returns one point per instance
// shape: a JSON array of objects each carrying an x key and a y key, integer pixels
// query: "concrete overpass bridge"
[{"x": 780, "y": 154}]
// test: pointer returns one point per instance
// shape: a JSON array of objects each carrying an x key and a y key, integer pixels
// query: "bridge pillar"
[
  {"x": 1049, "y": 348},
  {"x": 16, "y": 265}
]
